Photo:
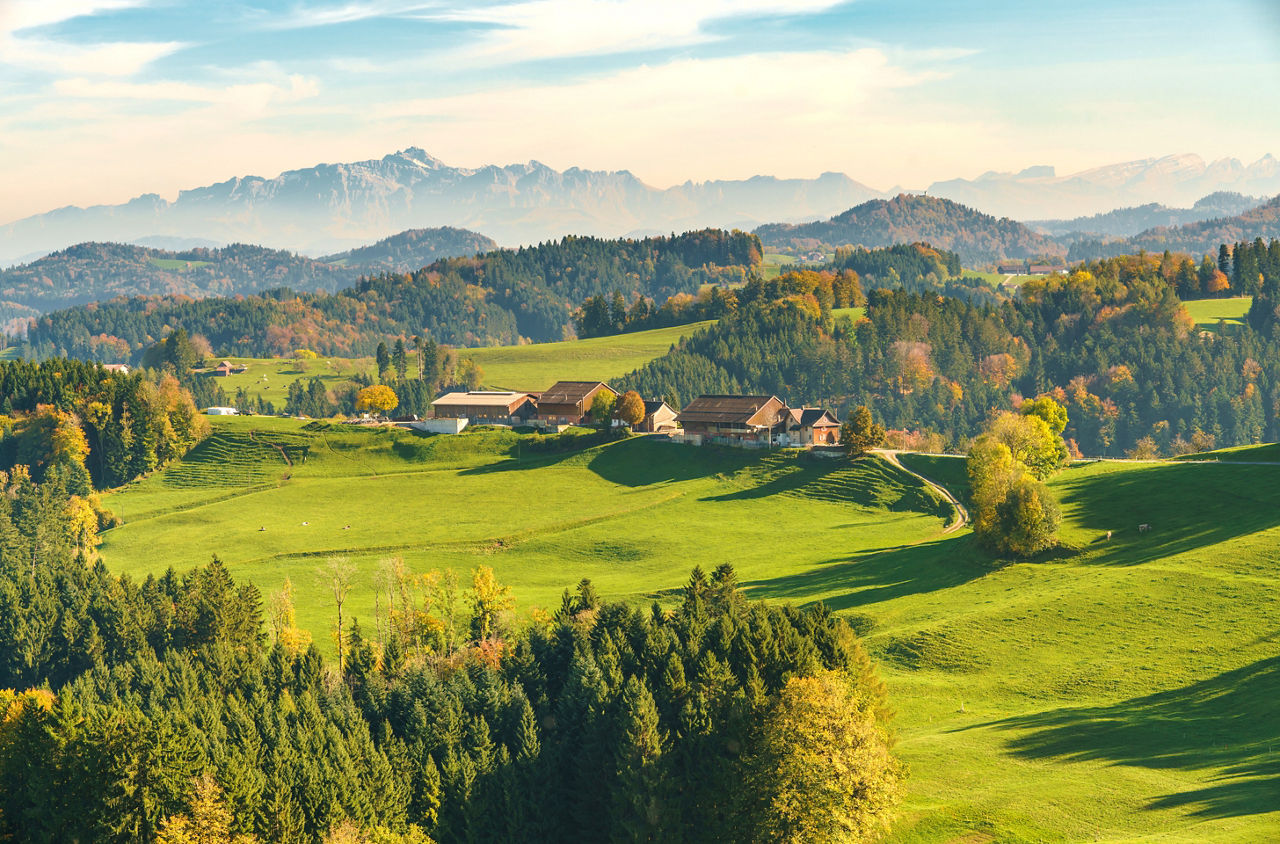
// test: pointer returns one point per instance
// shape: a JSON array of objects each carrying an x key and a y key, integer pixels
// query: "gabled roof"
[
  {"x": 816, "y": 417},
  {"x": 652, "y": 406},
  {"x": 572, "y": 392},
  {"x": 741, "y": 409},
  {"x": 479, "y": 398}
]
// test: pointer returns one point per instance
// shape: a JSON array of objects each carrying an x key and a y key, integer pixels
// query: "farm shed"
[
  {"x": 485, "y": 407},
  {"x": 735, "y": 420},
  {"x": 659, "y": 417},
  {"x": 569, "y": 402},
  {"x": 221, "y": 411}
]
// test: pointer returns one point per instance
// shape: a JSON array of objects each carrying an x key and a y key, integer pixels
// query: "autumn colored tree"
[
  {"x": 488, "y": 599},
  {"x": 208, "y": 820},
  {"x": 378, "y": 397},
  {"x": 631, "y": 408},
  {"x": 823, "y": 768},
  {"x": 860, "y": 433},
  {"x": 1013, "y": 511}
]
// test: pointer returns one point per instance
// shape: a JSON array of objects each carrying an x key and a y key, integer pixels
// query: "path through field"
[{"x": 962, "y": 514}]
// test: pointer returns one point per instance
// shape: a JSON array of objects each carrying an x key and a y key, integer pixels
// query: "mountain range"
[
  {"x": 1125, "y": 222},
  {"x": 1197, "y": 238},
  {"x": 330, "y": 207}
]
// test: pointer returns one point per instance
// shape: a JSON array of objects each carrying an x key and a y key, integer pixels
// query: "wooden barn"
[
  {"x": 485, "y": 407},
  {"x": 569, "y": 402},
  {"x": 735, "y": 420}
]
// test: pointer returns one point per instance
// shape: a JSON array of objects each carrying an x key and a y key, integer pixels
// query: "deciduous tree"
[{"x": 630, "y": 408}]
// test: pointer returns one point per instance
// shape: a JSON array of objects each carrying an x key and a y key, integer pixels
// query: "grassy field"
[
  {"x": 854, "y": 314},
  {"x": 996, "y": 279},
  {"x": 1208, "y": 312},
  {"x": 538, "y": 366},
  {"x": 532, "y": 367},
  {"x": 1118, "y": 691}
]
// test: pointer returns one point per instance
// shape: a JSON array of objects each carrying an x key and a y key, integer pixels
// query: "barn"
[
  {"x": 569, "y": 402},
  {"x": 485, "y": 407},
  {"x": 735, "y": 420}
]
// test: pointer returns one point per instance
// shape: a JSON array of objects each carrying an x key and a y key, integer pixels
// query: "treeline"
[
  {"x": 1197, "y": 238},
  {"x": 916, "y": 267},
  {"x": 97, "y": 429},
  {"x": 1111, "y": 342},
  {"x": 157, "y": 708},
  {"x": 496, "y": 298}
]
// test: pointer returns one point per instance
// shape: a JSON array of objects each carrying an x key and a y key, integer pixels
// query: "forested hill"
[
  {"x": 413, "y": 249},
  {"x": 1193, "y": 238},
  {"x": 92, "y": 272},
  {"x": 1111, "y": 342},
  {"x": 1126, "y": 222},
  {"x": 978, "y": 238},
  {"x": 496, "y": 298}
]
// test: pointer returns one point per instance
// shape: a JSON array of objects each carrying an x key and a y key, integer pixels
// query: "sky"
[{"x": 103, "y": 100}]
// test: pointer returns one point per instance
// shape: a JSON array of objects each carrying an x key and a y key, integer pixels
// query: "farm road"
[{"x": 962, "y": 514}]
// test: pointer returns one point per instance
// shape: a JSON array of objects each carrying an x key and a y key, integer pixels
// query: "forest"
[
  {"x": 500, "y": 297},
  {"x": 176, "y": 709},
  {"x": 1110, "y": 341}
]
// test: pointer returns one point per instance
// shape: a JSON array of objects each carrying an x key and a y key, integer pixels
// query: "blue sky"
[{"x": 101, "y": 100}]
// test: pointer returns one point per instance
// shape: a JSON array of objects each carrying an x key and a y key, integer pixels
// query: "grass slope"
[
  {"x": 1207, "y": 312},
  {"x": 532, "y": 367},
  {"x": 1119, "y": 691}
]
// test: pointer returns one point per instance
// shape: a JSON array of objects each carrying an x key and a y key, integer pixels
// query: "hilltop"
[{"x": 978, "y": 238}]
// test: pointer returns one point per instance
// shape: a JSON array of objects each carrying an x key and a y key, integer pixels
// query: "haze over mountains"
[{"x": 330, "y": 207}]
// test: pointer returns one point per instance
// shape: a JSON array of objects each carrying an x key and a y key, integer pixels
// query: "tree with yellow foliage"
[
  {"x": 379, "y": 398},
  {"x": 823, "y": 770},
  {"x": 207, "y": 821}
]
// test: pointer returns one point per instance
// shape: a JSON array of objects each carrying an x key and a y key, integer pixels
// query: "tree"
[
  {"x": 383, "y": 358},
  {"x": 378, "y": 397},
  {"x": 630, "y": 408},
  {"x": 337, "y": 574},
  {"x": 602, "y": 407},
  {"x": 400, "y": 359},
  {"x": 208, "y": 820},
  {"x": 860, "y": 433},
  {"x": 1028, "y": 518},
  {"x": 488, "y": 599},
  {"x": 1013, "y": 511},
  {"x": 823, "y": 771}
]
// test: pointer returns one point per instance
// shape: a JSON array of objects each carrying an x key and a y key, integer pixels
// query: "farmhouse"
[
  {"x": 810, "y": 426},
  {"x": 659, "y": 417},
  {"x": 1011, "y": 269},
  {"x": 486, "y": 407},
  {"x": 122, "y": 368},
  {"x": 569, "y": 402},
  {"x": 226, "y": 368},
  {"x": 735, "y": 420}
]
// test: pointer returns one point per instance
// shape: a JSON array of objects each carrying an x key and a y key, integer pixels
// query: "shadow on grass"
[
  {"x": 1229, "y": 722},
  {"x": 643, "y": 461},
  {"x": 880, "y": 575},
  {"x": 1186, "y": 506}
]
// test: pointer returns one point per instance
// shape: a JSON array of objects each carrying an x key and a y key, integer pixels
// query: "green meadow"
[
  {"x": 1207, "y": 313},
  {"x": 176, "y": 263},
  {"x": 1117, "y": 690},
  {"x": 534, "y": 366}
]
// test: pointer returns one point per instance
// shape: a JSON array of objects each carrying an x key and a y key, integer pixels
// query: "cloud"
[
  {"x": 244, "y": 99},
  {"x": 541, "y": 29},
  {"x": 34, "y": 52},
  {"x": 17, "y": 15}
]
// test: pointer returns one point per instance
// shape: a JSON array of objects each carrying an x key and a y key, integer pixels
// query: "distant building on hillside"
[
  {"x": 221, "y": 411},
  {"x": 122, "y": 368},
  {"x": 659, "y": 417},
  {"x": 810, "y": 426},
  {"x": 569, "y": 402},
  {"x": 735, "y": 420},
  {"x": 1040, "y": 269},
  {"x": 486, "y": 407},
  {"x": 1011, "y": 269},
  {"x": 226, "y": 368}
]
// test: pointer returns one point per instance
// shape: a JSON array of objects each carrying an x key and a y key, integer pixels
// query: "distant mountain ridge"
[
  {"x": 1124, "y": 222},
  {"x": 1175, "y": 180},
  {"x": 1197, "y": 238},
  {"x": 321, "y": 209},
  {"x": 90, "y": 272},
  {"x": 978, "y": 238}
]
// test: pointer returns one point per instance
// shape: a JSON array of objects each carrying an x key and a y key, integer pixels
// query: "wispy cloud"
[
  {"x": 18, "y": 15},
  {"x": 20, "y": 47}
]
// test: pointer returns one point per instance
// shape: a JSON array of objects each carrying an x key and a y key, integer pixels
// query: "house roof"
[
  {"x": 742, "y": 409},
  {"x": 479, "y": 398},
  {"x": 816, "y": 417},
  {"x": 571, "y": 392},
  {"x": 652, "y": 406}
]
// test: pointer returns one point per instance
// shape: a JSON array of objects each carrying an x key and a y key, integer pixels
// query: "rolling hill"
[
  {"x": 1197, "y": 238},
  {"x": 978, "y": 238},
  {"x": 91, "y": 272},
  {"x": 1115, "y": 691},
  {"x": 1125, "y": 222}
]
